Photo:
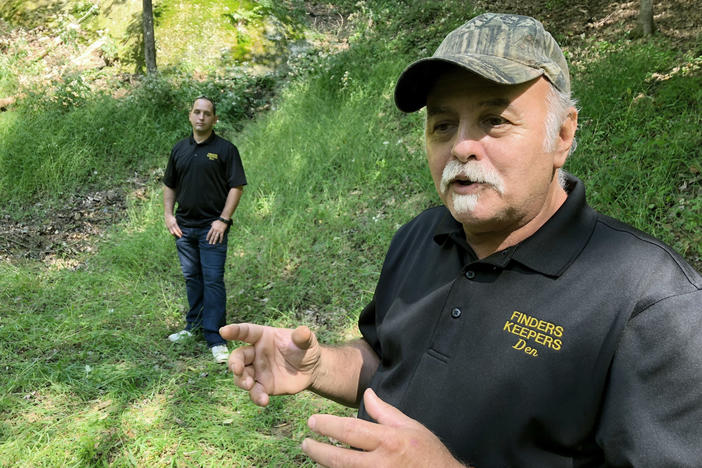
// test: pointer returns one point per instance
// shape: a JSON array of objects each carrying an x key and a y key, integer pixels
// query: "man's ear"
[{"x": 566, "y": 138}]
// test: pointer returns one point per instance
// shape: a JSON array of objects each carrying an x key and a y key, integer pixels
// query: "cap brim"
[{"x": 416, "y": 81}]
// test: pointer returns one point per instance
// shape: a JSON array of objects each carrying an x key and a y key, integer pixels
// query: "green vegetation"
[
  {"x": 196, "y": 36},
  {"x": 640, "y": 140},
  {"x": 90, "y": 139},
  {"x": 88, "y": 376}
]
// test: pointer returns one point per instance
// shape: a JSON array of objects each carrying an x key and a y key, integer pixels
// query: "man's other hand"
[
  {"x": 396, "y": 440},
  {"x": 216, "y": 232}
]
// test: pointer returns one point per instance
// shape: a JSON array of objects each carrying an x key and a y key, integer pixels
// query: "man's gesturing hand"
[
  {"x": 396, "y": 440},
  {"x": 278, "y": 361}
]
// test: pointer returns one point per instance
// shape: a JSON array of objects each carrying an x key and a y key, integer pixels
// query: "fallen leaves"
[{"x": 65, "y": 233}]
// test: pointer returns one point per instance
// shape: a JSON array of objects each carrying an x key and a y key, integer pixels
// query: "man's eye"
[
  {"x": 495, "y": 121},
  {"x": 441, "y": 127}
]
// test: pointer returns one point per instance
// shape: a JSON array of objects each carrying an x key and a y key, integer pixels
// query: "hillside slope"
[{"x": 49, "y": 53}]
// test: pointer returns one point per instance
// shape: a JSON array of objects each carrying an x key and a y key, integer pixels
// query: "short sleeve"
[
  {"x": 367, "y": 326},
  {"x": 236, "y": 177},
  {"x": 652, "y": 409},
  {"x": 169, "y": 176}
]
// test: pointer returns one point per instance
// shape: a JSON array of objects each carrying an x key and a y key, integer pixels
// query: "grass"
[
  {"x": 88, "y": 376},
  {"x": 90, "y": 139},
  {"x": 640, "y": 155},
  {"x": 92, "y": 381}
]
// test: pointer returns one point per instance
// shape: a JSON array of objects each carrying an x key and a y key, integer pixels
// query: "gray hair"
[{"x": 558, "y": 104}]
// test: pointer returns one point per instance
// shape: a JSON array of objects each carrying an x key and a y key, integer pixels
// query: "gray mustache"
[{"x": 473, "y": 171}]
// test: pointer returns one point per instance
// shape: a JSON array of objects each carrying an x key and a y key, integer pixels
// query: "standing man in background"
[{"x": 206, "y": 177}]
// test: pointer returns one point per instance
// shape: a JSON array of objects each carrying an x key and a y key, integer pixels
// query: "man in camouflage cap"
[{"x": 513, "y": 325}]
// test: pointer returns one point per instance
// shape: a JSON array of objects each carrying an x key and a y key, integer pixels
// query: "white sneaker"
[
  {"x": 220, "y": 353},
  {"x": 180, "y": 336}
]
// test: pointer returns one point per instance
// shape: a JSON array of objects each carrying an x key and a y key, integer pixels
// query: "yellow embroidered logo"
[
  {"x": 212, "y": 156},
  {"x": 532, "y": 330}
]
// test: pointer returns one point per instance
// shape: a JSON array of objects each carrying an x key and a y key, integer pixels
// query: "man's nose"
[
  {"x": 467, "y": 142},
  {"x": 465, "y": 148}
]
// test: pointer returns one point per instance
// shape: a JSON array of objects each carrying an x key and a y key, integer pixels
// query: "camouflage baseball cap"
[{"x": 506, "y": 49}]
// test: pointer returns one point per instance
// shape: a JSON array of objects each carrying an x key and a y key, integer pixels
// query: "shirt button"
[
  {"x": 456, "y": 312},
  {"x": 470, "y": 274}
]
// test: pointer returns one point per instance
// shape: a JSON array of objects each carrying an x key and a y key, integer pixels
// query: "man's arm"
[
  {"x": 169, "y": 198},
  {"x": 345, "y": 372},
  {"x": 216, "y": 233},
  {"x": 232, "y": 202}
]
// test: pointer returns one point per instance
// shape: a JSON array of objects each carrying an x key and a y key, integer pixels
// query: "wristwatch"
[{"x": 228, "y": 222}]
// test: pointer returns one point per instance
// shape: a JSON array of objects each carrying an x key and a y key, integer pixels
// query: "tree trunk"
[
  {"x": 646, "y": 17},
  {"x": 149, "y": 40}
]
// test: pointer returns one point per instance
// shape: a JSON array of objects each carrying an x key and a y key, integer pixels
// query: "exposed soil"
[
  {"x": 64, "y": 233},
  {"x": 59, "y": 237},
  {"x": 76, "y": 227},
  {"x": 579, "y": 20}
]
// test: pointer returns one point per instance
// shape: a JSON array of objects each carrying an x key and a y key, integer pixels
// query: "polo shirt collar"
[
  {"x": 209, "y": 139},
  {"x": 551, "y": 249}
]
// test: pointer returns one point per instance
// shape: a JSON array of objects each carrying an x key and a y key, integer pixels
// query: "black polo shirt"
[
  {"x": 202, "y": 175},
  {"x": 581, "y": 344}
]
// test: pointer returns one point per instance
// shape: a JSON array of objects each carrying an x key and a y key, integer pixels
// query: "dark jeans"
[{"x": 203, "y": 269}]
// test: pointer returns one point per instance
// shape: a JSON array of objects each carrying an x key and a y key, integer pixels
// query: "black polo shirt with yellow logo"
[
  {"x": 202, "y": 175},
  {"x": 581, "y": 344}
]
